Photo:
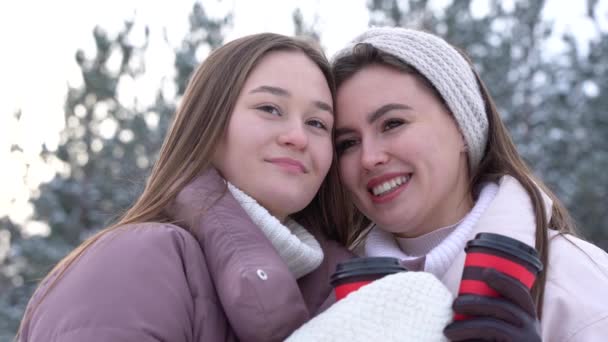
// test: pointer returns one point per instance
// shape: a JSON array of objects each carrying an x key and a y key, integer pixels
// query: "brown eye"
[
  {"x": 270, "y": 109},
  {"x": 317, "y": 124},
  {"x": 342, "y": 146},
  {"x": 391, "y": 123}
]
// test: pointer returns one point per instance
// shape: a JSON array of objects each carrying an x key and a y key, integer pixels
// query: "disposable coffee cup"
[
  {"x": 502, "y": 253},
  {"x": 354, "y": 273}
]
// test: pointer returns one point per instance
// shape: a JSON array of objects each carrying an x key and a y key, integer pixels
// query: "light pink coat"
[{"x": 576, "y": 294}]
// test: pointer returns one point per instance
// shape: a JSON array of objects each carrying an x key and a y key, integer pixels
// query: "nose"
[
  {"x": 295, "y": 137},
  {"x": 373, "y": 155}
]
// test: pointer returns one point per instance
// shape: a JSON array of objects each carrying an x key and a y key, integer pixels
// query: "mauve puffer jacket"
[{"x": 224, "y": 281}]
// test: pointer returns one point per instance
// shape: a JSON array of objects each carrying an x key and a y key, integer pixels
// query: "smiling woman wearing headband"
[{"x": 426, "y": 158}]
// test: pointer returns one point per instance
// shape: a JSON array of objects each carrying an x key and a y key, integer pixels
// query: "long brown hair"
[
  {"x": 500, "y": 158},
  {"x": 200, "y": 121}
]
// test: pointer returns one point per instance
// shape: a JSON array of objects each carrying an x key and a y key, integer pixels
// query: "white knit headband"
[{"x": 445, "y": 68}]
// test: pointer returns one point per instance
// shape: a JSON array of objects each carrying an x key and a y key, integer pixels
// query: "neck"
[
  {"x": 282, "y": 217},
  {"x": 449, "y": 211},
  {"x": 454, "y": 214}
]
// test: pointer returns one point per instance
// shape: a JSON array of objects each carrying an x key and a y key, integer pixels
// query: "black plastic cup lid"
[
  {"x": 507, "y": 245},
  {"x": 366, "y": 266}
]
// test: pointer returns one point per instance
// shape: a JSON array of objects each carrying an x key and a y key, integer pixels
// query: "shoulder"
[
  {"x": 148, "y": 252},
  {"x": 150, "y": 247},
  {"x": 573, "y": 245},
  {"x": 570, "y": 256},
  {"x": 575, "y": 294},
  {"x": 131, "y": 277},
  {"x": 159, "y": 239}
]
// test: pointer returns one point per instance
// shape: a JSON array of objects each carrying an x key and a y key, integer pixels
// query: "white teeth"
[{"x": 389, "y": 185}]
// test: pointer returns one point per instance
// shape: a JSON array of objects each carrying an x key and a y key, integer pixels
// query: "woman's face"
[
  {"x": 400, "y": 152},
  {"x": 278, "y": 145}
]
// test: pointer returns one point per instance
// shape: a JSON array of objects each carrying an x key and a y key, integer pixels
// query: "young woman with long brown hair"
[
  {"x": 425, "y": 157},
  {"x": 230, "y": 239}
]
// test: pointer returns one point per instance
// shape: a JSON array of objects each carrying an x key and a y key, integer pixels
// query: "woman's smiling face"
[
  {"x": 401, "y": 154},
  {"x": 278, "y": 145}
]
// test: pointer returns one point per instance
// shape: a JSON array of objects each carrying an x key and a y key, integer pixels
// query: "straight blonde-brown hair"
[
  {"x": 199, "y": 123},
  {"x": 500, "y": 158}
]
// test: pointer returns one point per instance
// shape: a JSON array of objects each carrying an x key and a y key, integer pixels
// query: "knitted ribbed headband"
[{"x": 445, "y": 68}]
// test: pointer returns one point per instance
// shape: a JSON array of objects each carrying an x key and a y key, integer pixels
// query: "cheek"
[
  {"x": 328, "y": 156},
  {"x": 238, "y": 145},
  {"x": 219, "y": 155},
  {"x": 425, "y": 144},
  {"x": 323, "y": 155}
]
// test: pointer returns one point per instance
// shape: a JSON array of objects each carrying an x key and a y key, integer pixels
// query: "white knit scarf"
[
  {"x": 298, "y": 248},
  {"x": 439, "y": 259}
]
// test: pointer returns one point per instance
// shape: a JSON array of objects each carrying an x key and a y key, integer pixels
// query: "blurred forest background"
[{"x": 554, "y": 105}]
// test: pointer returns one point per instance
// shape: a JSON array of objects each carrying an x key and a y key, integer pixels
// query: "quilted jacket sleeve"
[{"x": 129, "y": 286}]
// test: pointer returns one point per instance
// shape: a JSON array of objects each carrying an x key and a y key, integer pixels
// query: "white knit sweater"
[
  {"x": 439, "y": 259},
  {"x": 296, "y": 246},
  {"x": 407, "y": 306}
]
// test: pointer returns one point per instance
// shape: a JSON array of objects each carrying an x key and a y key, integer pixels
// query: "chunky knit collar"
[
  {"x": 298, "y": 248},
  {"x": 439, "y": 259}
]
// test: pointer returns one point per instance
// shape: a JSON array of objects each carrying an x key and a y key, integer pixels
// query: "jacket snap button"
[{"x": 261, "y": 274}]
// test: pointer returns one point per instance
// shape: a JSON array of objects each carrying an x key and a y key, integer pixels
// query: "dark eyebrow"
[
  {"x": 273, "y": 90},
  {"x": 282, "y": 92},
  {"x": 373, "y": 116},
  {"x": 324, "y": 106}
]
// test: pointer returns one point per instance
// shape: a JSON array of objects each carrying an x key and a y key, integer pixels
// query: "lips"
[
  {"x": 384, "y": 178},
  {"x": 387, "y": 187},
  {"x": 289, "y": 164}
]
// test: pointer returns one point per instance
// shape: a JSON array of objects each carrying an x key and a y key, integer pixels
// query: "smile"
[
  {"x": 288, "y": 164},
  {"x": 387, "y": 187}
]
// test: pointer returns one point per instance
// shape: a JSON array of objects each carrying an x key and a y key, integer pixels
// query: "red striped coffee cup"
[
  {"x": 354, "y": 273},
  {"x": 508, "y": 256}
]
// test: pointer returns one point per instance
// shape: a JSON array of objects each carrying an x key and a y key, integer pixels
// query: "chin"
[
  {"x": 391, "y": 229},
  {"x": 288, "y": 203},
  {"x": 294, "y": 206},
  {"x": 390, "y": 226}
]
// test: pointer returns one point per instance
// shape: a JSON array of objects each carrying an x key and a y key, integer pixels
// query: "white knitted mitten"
[{"x": 406, "y": 306}]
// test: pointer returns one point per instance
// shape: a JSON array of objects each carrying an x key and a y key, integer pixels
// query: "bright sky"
[{"x": 39, "y": 40}]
